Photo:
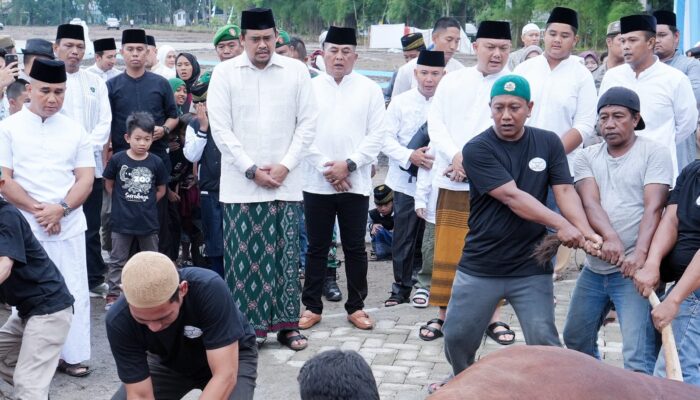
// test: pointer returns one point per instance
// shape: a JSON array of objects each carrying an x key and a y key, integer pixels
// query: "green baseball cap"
[
  {"x": 513, "y": 85},
  {"x": 227, "y": 32},
  {"x": 282, "y": 39}
]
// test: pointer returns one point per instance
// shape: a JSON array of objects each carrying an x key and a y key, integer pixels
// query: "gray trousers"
[
  {"x": 30, "y": 350},
  {"x": 121, "y": 246},
  {"x": 425, "y": 275},
  {"x": 173, "y": 385},
  {"x": 473, "y": 301}
]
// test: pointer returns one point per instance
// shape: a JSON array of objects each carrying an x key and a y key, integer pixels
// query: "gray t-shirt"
[{"x": 621, "y": 184}]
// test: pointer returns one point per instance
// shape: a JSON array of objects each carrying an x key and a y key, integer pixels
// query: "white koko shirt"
[
  {"x": 565, "y": 97},
  {"x": 667, "y": 102},
  {"x": 42, "y": 157},
  {"x": 350, "y": 125},
  {"x": 406, "y": 113},
  {"x": 259, "y": 117},
  {"x": 460, "y": 111}
]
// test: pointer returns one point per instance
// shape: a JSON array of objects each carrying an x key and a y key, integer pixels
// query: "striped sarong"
[
  {"x": 450, "y": 230},
  {"x": 261, "y": 255}
]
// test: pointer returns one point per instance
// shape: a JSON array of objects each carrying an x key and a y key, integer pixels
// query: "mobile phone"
[{"x": 10, "y": 58}]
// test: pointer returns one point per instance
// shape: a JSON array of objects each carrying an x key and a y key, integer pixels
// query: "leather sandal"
[
  {"x": 361, "y": 320},
  {"x": 308, "y": 319}
]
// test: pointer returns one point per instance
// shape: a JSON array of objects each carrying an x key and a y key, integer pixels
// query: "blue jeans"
[
  {"x": 381, "y": 242},
  {"x": 588, "y": 308},
  {"x": 213, "y": 227},
  {"x": 686, "y": 331}
]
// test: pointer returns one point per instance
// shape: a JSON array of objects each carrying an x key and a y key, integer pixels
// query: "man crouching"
[
  {"x": 174, "y": 331},
  {"x": 32, "y": 338}
]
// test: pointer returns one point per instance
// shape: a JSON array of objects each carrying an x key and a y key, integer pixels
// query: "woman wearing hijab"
[
  {"x": 181, "y": 94},
  {"x": 162, "y": 67},
  {"x": 187, "y": 69},
  {"x": 529, "y": 52},
  {"x": 590, "y": 59}
]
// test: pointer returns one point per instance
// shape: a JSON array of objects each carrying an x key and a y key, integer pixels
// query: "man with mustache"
[
  {"x": 262, "y": 115},
  {"x": 668, "y": 105},
  {"x": 623, "y": 184}
]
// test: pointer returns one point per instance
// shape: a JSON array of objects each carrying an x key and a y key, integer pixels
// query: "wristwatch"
[
  {"x": 351, "y": 165},
  {"x": 66, "y": 210},
  {"x": 250, "y": 172}
]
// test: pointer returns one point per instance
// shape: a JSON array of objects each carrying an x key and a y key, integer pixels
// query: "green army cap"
[
  {"x": 513, "y": 85},
  {"x": 282, "y": 39},
  {"x": 227, "y": 32}
]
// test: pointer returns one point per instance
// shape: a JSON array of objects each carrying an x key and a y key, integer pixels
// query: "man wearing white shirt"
[
  {"x": 669, "y": 108},
  {"x": 262, "y": 115},
  {"x": 459, "y": 112},
  {"x": 48, "y": 163},
  {"x": 667, "y": 40},
  {"x": 349, "y": 134},
  {"x": 105, "y": 58},
  {"x": 563, "y": 93},
  {"x": 87, "y": 103},
  {"x": 407, "y": 113},
  {"x": 446, "y": 37}
]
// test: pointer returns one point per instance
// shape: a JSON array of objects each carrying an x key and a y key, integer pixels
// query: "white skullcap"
[
  {"x": 530, "y": 27},
  {"x": 149, "y": 279}
]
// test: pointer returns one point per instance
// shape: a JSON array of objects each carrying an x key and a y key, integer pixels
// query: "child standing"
[{"x": 136, "y": 181}]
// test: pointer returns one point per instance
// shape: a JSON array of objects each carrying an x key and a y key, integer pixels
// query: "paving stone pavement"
[{"x": 404, "y": 365}]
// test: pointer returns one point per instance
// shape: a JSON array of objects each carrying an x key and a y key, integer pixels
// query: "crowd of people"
[{"x": 220, "y": 197}]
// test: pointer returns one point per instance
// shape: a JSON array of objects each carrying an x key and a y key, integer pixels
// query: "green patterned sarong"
[{"x": 261, "y": 253}]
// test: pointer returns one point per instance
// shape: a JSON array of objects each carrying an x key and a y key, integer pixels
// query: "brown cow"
[{"x": 542, "y": 373}]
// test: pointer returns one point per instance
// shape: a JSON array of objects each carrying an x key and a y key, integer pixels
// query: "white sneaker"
[{"x": 99, "y": 290}]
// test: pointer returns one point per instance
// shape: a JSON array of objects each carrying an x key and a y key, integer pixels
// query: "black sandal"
[
  {"x": 437, "y": 332},
  {"x": 288, "y": 341},
  {"x": 395, "y": 299},
  {"x": 74, "y": 370},
  {"x": 496, "y": 336}
]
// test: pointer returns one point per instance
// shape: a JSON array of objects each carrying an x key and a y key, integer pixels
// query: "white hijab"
[{"x": 163, "y": 53}]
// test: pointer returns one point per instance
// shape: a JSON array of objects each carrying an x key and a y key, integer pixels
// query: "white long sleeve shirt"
[
  {"x": 350, "y": 125},
  {"x": 459, "y": 112},
  {"x": 43, "y": 157},
  {"x": 105, "y": 75},
  {"x": 565, "y": 97},
  {"x": 194, "y": 144},
  {"x": 426, "y": 193},
  {"x": 87, "y": 102},
  {"x": 406, "y": 113},
  {"x": 259, "y": 117},
  {"x": 667, "y": 102},
  {"x": 406, "y": 78}
]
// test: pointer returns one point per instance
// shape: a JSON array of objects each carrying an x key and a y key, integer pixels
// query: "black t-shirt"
[
  {"x": 387, "y": 221},
  {"x": 35, "y": 285},
  {"x": 499, "y": 242},
  {"x": 151, "y": 93},
  {"x": 208, "y": 320},
  {"x": 134, "y": 209},
  {"x": 686, "y": 195}
]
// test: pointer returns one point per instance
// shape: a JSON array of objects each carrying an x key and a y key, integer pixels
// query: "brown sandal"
[{"x": 75, "y": 370}]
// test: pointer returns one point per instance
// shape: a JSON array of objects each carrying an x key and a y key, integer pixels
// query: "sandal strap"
[{"x": 497, "y": 324}]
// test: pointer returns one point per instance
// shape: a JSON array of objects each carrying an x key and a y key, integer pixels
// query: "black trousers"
[
  {"x": 93, "y": 247},
  {"x": 406, "y": 253},
  {"x": 165, "y": 234},
  {"x": 320, "y": 211}
]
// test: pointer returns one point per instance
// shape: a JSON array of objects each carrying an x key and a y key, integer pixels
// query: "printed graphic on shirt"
[
  {"x": 537, "y": 164},
  {"x": 137, "y": 183},
  {"x": 192, "y": 332}
]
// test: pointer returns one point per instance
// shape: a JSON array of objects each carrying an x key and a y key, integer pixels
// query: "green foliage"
[{"x": 312, "y": 16}]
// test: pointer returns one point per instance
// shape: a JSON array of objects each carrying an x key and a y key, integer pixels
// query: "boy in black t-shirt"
[
  {"x": 136, "y": 180},
  {"x": 510, "y": 166},
  {"x": 174, "y": 331},
  {"x": 31, "y": 339}
]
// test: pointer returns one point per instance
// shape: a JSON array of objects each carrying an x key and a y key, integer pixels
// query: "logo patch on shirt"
[
  {"x": 192, "y": 332},
  {"x": 92, "y": 89},
  {"x": 537, "y": 164}
]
